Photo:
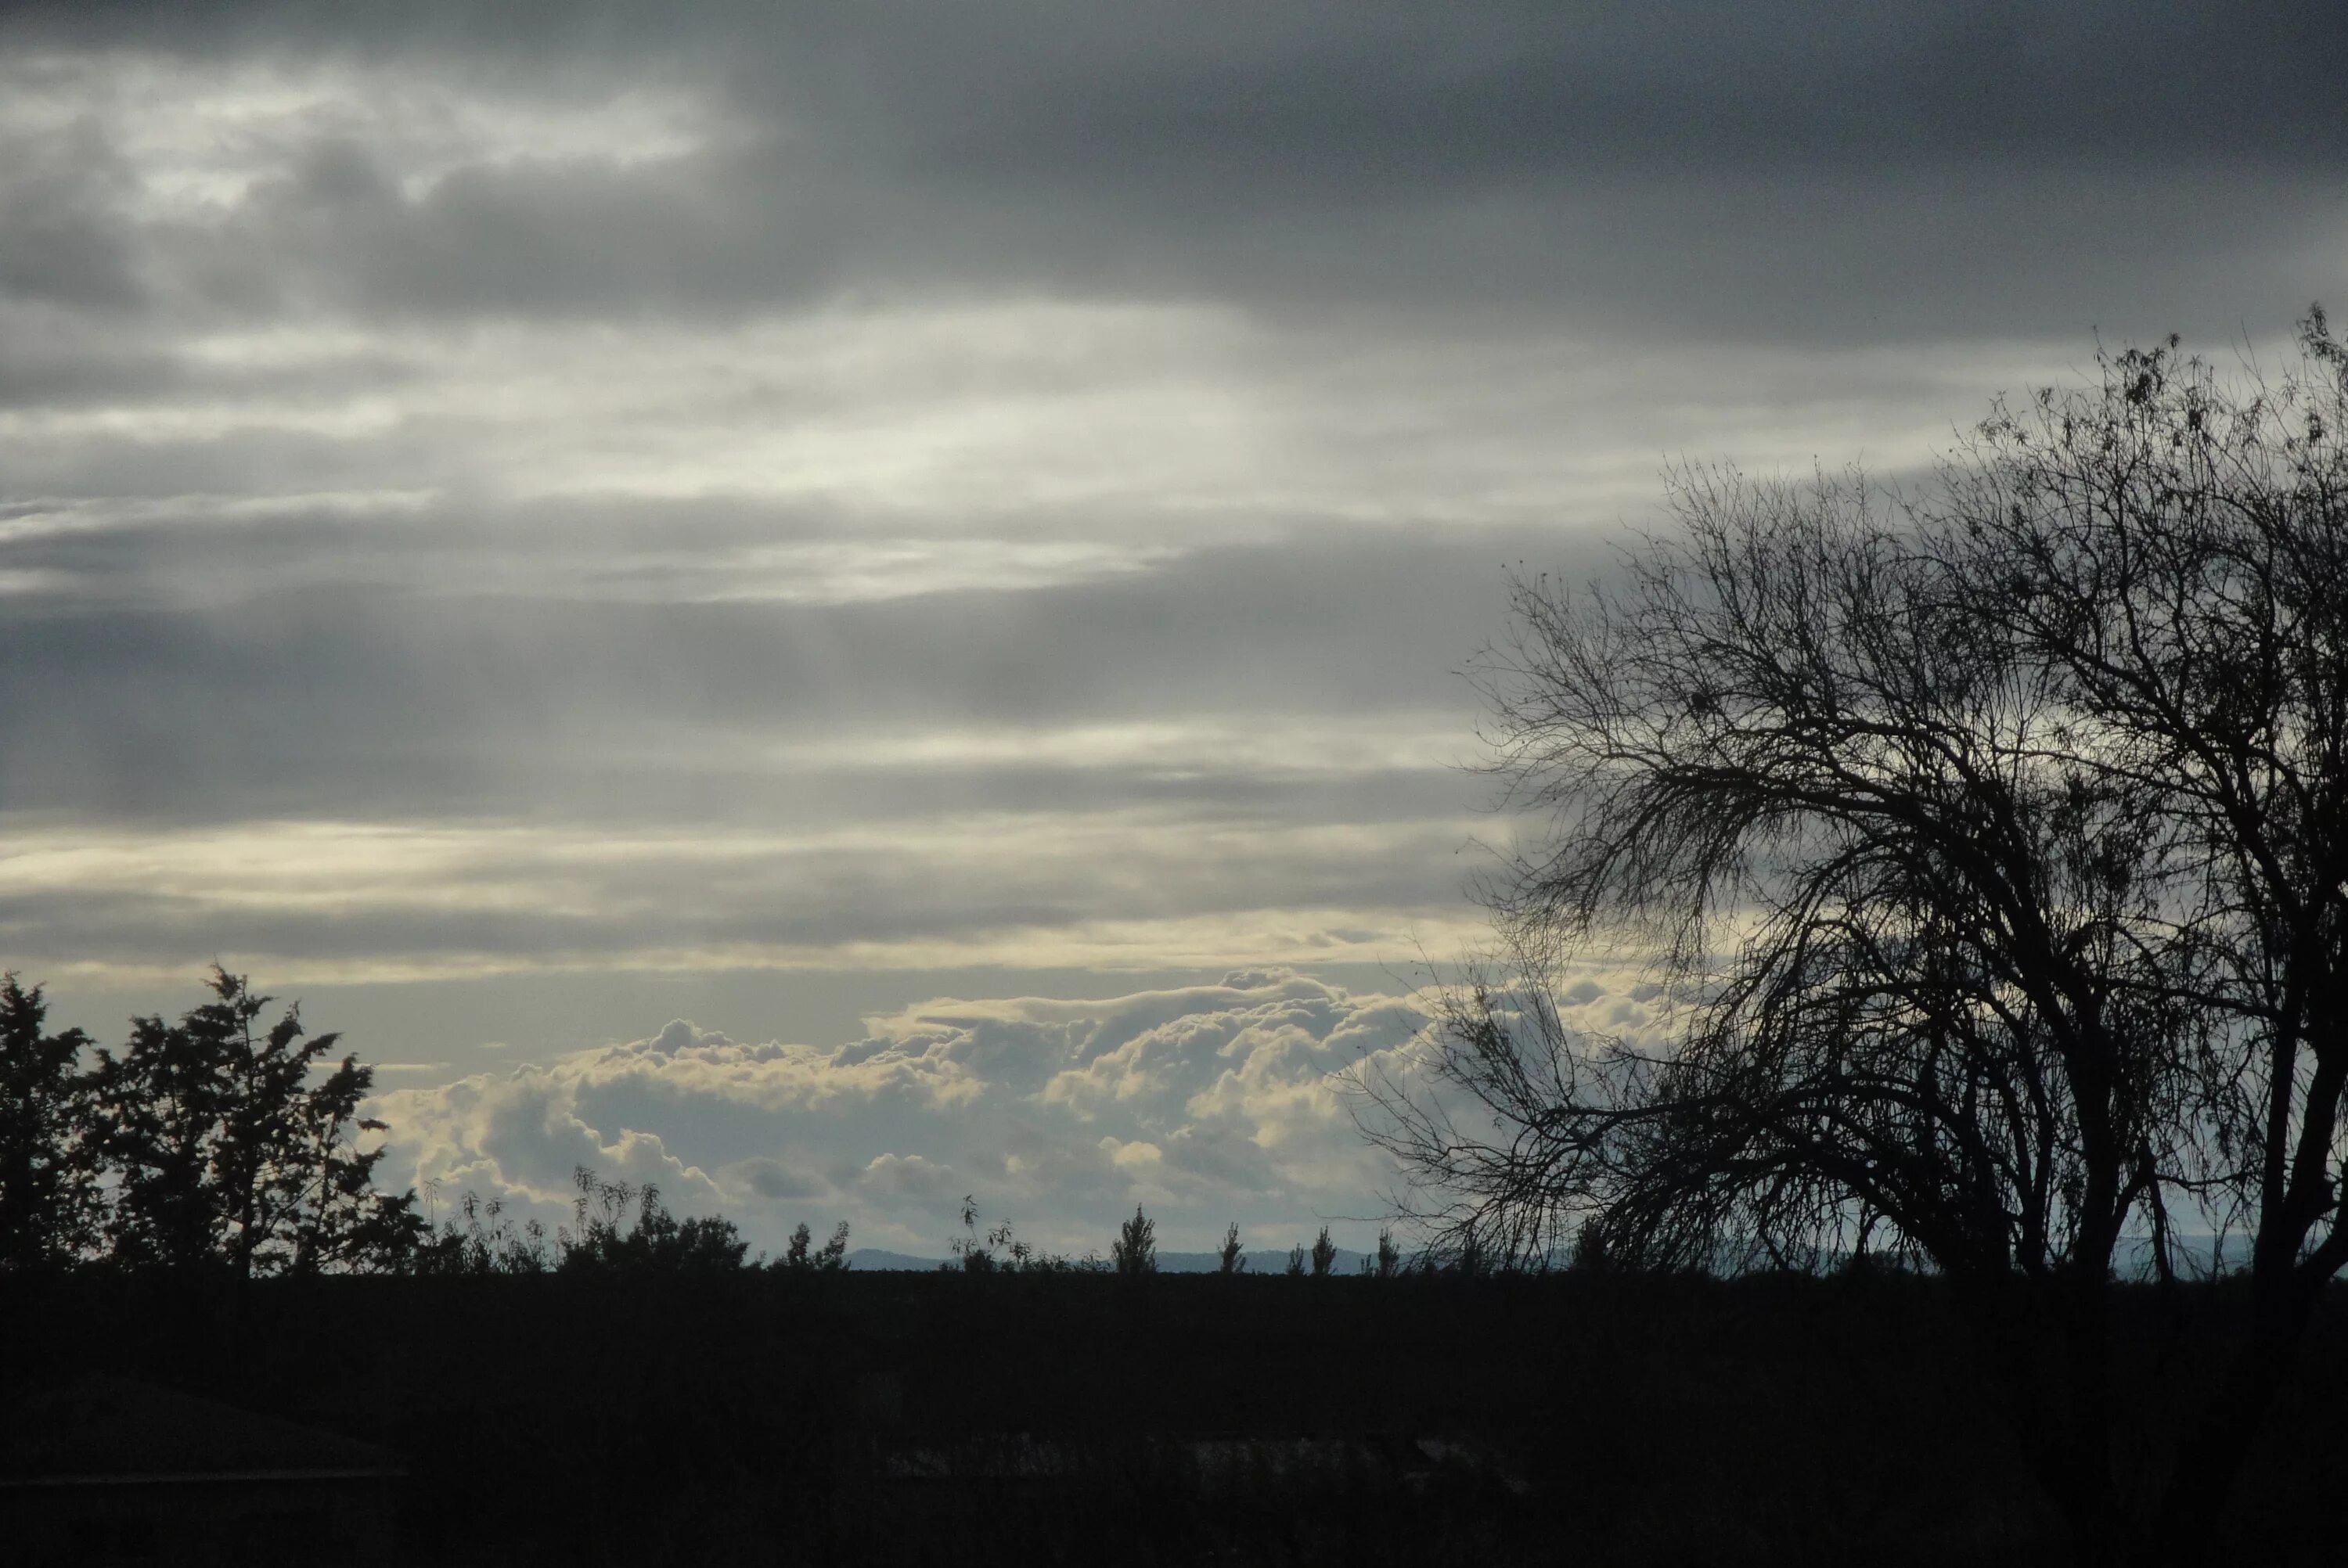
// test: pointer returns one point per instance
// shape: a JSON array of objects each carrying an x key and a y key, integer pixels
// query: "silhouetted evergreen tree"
[
  {"x": 1228, "y": 1256},
  {"x": 1324, "y": 1254},
  {"x": 160, "y": 1104},
  {"x": 1135, "y": 1250},
  {"x": 225, "y": 1155},
  {"x": 803, "y": 1255},
  {"x": 50, "y": 1206},
  {"x": 339, "y": 1220}
]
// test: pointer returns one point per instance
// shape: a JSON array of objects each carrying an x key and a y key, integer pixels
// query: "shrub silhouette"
[
  {"x": 481, "y": 1238},
  {"x": 656, "y": 1240},
  {"x": 1000, "y": 1250},
  {"x": 975, "y": 1250}
]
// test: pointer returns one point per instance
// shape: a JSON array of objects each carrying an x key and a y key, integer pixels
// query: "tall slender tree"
[{"x": 1135, "y": 1250}]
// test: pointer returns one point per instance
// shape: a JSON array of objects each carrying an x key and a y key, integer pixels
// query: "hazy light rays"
[
  {"x": 966, "y": 414},
  {"x": 930, "y": 421}
]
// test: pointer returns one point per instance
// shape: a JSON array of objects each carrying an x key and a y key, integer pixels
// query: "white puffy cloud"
[
  {"x": 1205, "y": 1103},
  {"x": 684, "y": 1062},
  {"x": 521, "y": 1137}
]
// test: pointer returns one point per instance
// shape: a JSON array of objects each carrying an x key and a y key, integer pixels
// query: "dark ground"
[{"x": 946, "y": 1419}]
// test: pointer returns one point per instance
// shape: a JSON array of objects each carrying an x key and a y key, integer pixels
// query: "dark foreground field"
[{"x": 944, "y": 1418}]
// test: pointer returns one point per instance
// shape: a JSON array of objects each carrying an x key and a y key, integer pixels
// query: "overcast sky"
[{"x": 933, "y": 541}]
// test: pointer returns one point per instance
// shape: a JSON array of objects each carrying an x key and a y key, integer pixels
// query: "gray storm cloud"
[{"x": 1606, "y": 158}]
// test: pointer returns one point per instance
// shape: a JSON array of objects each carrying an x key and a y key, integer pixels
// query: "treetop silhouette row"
[
  {"x": 214, "y": 1144},
  {"x": 217, "y": 1143}
]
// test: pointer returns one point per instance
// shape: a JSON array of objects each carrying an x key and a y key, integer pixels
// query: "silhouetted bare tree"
[{"x": 1990, "y": 857}]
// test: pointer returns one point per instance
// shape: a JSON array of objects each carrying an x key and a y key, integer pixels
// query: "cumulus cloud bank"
[{"x": 1207, "y": 1104}]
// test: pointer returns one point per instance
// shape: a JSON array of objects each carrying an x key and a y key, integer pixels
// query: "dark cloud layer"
[
  {"x": 1448, "y": 91},
  {"x": 1972, "y": 168}
]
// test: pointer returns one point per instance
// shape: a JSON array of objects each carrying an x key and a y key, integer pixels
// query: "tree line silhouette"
[
  {"x": 1134, "y": 1251},
  {"x": 217, "y": 1143},
  {"x": 220, "y": 1144},
  {"x": 208, "y": 1143}
]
